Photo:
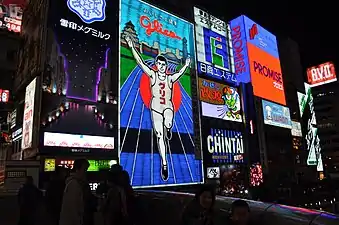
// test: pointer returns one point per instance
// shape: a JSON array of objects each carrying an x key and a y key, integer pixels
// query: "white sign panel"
[
  {"x": 213, "y": 172},
  {"x": 27, "y": 127},
  {"x": 296, "y": 129},
  {"x": 214, "y": 47},
  {"x": 77, "y": 141}
]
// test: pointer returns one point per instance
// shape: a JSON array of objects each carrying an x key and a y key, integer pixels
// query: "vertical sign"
[
  {"x": 214, "y": 47},
  {"x": 157, "y": 58},
  {"x": 28, "y": 115}
]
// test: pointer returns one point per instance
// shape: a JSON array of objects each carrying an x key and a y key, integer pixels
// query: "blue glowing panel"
[
  {"x": 260, "y": 37},
  {"x": 240, "y": 52},
  {"x": 157, "y": 58},
  {"x": 89, "y": 11}
]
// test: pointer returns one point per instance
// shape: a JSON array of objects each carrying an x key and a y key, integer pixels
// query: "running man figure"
[{"x": 162, "y": 109}]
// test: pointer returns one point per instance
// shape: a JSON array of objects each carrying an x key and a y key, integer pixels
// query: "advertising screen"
[
  {"x": 219, "y": 101},
  {"x": 261, "y": 55},
  {"x": 78, "y": 141},
  {"x": 213, "y": 173},
  {"x": 27, "y": 126},
  {"x": 4, "y": 95},
  {"x": 11, "y": 14},
  {"x": 94, "y": 165},
  {"x": 157, "y": 60},
  {"x": 321, "y": 74},
  {"x": 240, "y": 53},
  {"x": 214, "y": 47},
  {"x": 296, "y": 129},
  {"x": 276, "y": 115},
  {"x": 223, "y": 146},
  {"x": 309, "y": 127},
  {"x": 80, "y": 85}
]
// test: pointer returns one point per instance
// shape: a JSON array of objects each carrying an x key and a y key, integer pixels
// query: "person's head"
[
  {"x": 80, "y": 167},
  {"x": 124, "y": 178},
  {"x": 161, "y": 63},
  {"x": 206, "y": 197},
  {"x": 116, "y": 168},
  {"x": 60, "y": 172},
  {"x": 29, "y": 180},
  {"x": 240, "y": 212}
]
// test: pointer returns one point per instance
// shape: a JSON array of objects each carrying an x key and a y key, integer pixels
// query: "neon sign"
[
  {"x": 157, "y": 57},
  {"x": 84, "y": 29},
  {"x": 88, "y": 11},
  {"x": 156, "y": 26},
  {"x": 225, "y": 145},
  {"x": 219, "y": 101},
  {"x": 214, "y": 47}
]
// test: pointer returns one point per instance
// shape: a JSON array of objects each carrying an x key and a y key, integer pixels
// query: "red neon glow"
[
  {"x": 4, "y": 95},
  {"x": 321, "y": 74},
  {"x": 156, "y": 26}
]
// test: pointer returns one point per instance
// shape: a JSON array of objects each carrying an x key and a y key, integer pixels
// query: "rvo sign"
[{"x": 321, "y": 74}]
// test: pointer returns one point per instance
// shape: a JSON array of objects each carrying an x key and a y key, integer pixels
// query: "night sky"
[{"x": 311, "y": 24}]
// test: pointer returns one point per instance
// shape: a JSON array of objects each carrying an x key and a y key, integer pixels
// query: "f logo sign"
[
  {"x": 253, "y": 31},
  {"x": 215, "y": 48}
]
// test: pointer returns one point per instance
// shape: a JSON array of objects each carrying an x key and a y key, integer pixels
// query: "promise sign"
[{"x": 321, "y": 74}]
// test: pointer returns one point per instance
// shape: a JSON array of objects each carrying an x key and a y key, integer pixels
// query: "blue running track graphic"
[{"x": 135, "y": 119}]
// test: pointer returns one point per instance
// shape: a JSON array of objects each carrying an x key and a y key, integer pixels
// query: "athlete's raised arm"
[
  {"x": 177, "y": 75},
  {"x": 138, "y": 57}
]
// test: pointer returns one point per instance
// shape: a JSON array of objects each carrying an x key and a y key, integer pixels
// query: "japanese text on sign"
[
  {"x": 84, "y": 29},
  {"x": 216, "y": 72}
]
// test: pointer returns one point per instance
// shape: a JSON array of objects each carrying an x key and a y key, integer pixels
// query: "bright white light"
[
  {"x": 95, "y": 110},
  {"x": 246, "y": 191},
  {"x": 57, "y": 114},
  {"x": 49, "y": 119},
  {"x": 102, "y": 116}
]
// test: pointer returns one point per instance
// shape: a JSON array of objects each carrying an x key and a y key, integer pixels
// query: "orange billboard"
[
  {"x": 322, "y": 74},
  {"x": 266, "y": 75}
]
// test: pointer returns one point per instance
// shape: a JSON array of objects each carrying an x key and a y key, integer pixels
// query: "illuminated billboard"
[
  {"x": 79, "y": 84},
  {"x": 4, "y": 95},
  {"x": 94, "y": 165},
  {"x": 321, "y": 74},
  {"x": 28, "y": 119},
  {"x": 219, "y": 101},
  {"x": 309, "y": 126},
  {"x": 296, "y": 129},
  {"x": 77, "y": 141},
  {"x": 222, "y": 146},
  {"x": 157, "y": 58},
  {"x": 11, "y": 14},
  {"x": 259, "y": 50},
  {"x": 276, "y": 115},
  {"x": 214, "y": 47}
]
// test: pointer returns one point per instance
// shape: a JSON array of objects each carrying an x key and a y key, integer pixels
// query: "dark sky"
[{"x": 311, "y": 24}]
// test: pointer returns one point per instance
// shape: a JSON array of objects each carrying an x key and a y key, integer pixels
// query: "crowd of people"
[{"x": 68, "y": 200}]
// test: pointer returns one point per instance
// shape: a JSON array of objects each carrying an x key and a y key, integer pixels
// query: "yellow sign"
[{"x": 49, "y": 165}]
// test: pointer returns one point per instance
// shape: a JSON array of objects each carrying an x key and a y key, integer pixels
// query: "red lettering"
[
  {"x": 267, "y": 72},
  {"x": 238, "y": 47},
  {"x": 28, "y": 115},
  {"x": 156, "y": 26},
  {"x": 210, "y": 95},
  {"x": 162, "y": 93}
]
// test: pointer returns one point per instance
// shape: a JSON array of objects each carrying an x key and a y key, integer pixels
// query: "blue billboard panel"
[
  {"x": 157, "y": 56},
  {"x": 214, "y": 47},
  {"x": 276, "y": 115},
  {"x": 240, "y": 53},
  {"x": 260, "y": 37}
]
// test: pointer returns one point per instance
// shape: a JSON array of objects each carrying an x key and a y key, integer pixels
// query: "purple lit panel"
[{"x": 105, "y": 66}]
